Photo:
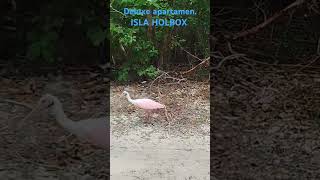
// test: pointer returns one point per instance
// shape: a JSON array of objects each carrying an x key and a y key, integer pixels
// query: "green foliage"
[
  {"x": 140, "y": 51},
  {"x": 43, "y": 37},
  {"x": 150, "y": 71},
  {"x": 42, "y": 46},
  {"x": 135, "y": 53},
  {"x": 123, "y": 74},
  {"x": 44, "y": 32},
  {"x": 97, "y": 35}
]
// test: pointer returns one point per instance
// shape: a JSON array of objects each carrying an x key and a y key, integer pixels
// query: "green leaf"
[
  {"x": 96, "y": 35},
  {"x": 123, "y": 75},
  {"x": 34, "y": 50}
]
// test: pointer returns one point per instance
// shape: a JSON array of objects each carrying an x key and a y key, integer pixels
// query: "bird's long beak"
[{"x": 35, "y": 111}]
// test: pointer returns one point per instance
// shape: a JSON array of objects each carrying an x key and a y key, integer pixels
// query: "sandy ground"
[{"x": 157, "y": 150}]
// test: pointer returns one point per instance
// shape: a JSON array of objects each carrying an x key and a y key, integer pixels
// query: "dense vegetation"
[
  {"x": 76, "y": 31},
  {"x": 141, "y": 50},
  {"x": 54, "y": 31}
]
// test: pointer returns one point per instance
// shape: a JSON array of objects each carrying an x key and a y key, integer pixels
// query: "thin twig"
[
  {"x": 269, "y": 20},
  {"x": 312, "y": 61},
  {"x": 258, "y": 7},
  {"x": 114, "y": 10},
  {"x": 191, "y": 54},
  {"x": 192, "y": 69},
  {"x": 3, "y": 128},
  {"x": 232, "y": 56},
  {"x": 20, "y": 124},
  {"x": 318, "y": 48},
  {"x": 17, "y": 103},
  {"x": 166, "y": 76},
  {"x": 156, "y": 79}
]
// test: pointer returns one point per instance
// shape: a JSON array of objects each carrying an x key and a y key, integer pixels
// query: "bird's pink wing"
[
  {"x": 147, "y": 104},
  {"x": 96, "y": 131},
  {"x": 100, "y": 137}
]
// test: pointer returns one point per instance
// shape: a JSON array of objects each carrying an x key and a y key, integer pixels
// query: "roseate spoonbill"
[
  {"x": 94, "y": 131},
  {"x": 146, "y": 104}
]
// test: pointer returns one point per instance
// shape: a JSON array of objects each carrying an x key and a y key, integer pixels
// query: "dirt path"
[
  {"x": 143, "y": 153},
  {"x": 159, "y": 150}
]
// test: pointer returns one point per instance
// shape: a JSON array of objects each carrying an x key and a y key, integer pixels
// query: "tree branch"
[
  {"x": 192, "y": 69},
  {"x": 269, "y": 20}
]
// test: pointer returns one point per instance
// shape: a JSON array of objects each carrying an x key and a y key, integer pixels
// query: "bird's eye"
[{"x": 50, "y": 104}]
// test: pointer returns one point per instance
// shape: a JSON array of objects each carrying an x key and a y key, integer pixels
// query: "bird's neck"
[
  {"x": 63, "y": 120},
  {"x": 129, "y": 98}
]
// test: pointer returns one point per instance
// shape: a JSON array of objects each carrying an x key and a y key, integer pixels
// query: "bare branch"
[
  {"x": 17, "y": 103},
  {"x": 192, "y": 69},
  {"x": 191, "y": 54},
  {"x": 269, "y": 20}
]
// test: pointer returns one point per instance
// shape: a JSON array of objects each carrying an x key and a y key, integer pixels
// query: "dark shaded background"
[{"x": 265, "y": 91}]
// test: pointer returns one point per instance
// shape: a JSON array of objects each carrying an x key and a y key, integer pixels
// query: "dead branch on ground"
[
  {"x": 191, "y": 54},
  {"x": 165, "y": 75},
  {"x": 17, "y": 103},
  {"x": 205, "y": 61}
]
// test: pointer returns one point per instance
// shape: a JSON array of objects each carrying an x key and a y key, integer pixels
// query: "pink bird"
[
  {"x": 146, "y": 104},
  {"x": 94, "y": 131}
]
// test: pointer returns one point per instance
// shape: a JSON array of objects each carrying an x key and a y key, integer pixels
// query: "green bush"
[{"x": 134, "y": 52}]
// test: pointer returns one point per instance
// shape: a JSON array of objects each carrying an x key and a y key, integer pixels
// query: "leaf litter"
[
  {"x": 43, "y": 149},
  {"x": 265, "y": 122}
]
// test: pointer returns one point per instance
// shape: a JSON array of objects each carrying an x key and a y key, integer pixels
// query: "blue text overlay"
[{"x": 159, "y": 21}]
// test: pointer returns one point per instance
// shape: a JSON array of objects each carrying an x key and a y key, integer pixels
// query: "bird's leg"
[{"x": 148, "y": 115}]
